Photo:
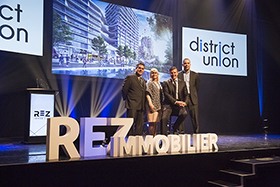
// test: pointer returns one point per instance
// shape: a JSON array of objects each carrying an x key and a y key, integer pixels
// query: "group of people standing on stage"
[{"x": 172, "y": 98}]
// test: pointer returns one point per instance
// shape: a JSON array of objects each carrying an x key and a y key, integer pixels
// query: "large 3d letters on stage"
[
  {"x": 119, "y": 144},
  {"x": 87, "y": 136},
  {"x": 54, "y": 140}
]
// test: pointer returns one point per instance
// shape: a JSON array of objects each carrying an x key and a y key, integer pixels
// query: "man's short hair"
[
  {"x": 140, "y": 63},
  {"x": 186, "y": 59},
  {"x": 172, "y": 68}
]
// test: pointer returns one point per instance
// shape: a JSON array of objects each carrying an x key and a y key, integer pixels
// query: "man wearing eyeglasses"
[{"x": 133, "y": 91}]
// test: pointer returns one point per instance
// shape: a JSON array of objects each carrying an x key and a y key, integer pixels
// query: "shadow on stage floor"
[{"x": 27, "y": 163}]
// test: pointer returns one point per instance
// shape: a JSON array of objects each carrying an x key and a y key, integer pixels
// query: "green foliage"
[
  {"x": 127, "y": 52},
  {"x": 61, "y": 31},
  {"x": 134, "y": 55},
  {"x": 169, "y": 53},
  {"x": 98, "y": 44},
  {"x": 120, "y": 51},
  {"x": 160, "y": 24}
]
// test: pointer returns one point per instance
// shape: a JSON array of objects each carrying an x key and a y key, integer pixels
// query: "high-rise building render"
[
  {"x": 86, "y": 21},
  {"x": 124, "y": 24}
]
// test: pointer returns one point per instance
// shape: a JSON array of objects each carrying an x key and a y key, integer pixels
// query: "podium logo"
[
  {"x": 215, "y": 52},
  {"x": 39, "y": 114},
  {"x": 21, "y": 26}
]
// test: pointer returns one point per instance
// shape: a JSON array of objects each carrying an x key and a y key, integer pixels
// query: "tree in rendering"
[
  {"x": 127, "y": 52},
  {"x": 120, "y": 51},
  {"x": 162, "y": 27},
  {"x": 98, "y": 45},
  {"x": 61, "y": 32}
]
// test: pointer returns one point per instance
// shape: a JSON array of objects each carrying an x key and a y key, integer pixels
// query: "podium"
[{"x": 40, "y": 108}]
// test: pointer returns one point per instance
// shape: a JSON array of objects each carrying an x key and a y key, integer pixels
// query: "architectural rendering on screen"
[{"x": 94, "y": 38}]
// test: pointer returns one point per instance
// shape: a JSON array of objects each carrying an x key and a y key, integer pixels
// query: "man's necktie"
[
  {"x": 176, "y": 88},
  {"x": 141, "y": 82}
]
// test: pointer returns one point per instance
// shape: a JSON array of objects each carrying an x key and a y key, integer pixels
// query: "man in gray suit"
[
  {"x": 192, "y": 81},
  {"x": 133, "y": 91}
]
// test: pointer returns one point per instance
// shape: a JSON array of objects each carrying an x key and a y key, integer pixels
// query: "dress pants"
[
  {"x": 193, "y": 110},
  {"x": 138, "y": 120},
  {"x": 167, "y": 111}
]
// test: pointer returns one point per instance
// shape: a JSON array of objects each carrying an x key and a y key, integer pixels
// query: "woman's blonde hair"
[{"x": 154, "y": 70}]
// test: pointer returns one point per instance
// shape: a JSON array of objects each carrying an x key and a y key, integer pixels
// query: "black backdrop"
[{"x": 227, "y": 104}]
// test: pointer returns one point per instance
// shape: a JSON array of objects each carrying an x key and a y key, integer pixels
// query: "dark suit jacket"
[
  {"x": 194, "y": 85},
  {"x": 170, "y": 92},
  {"x": 133, "y": 93}
]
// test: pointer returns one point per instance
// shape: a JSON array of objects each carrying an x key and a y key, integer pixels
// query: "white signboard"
[
  {"x": 215, "y": 52},
  {"x": 21, "y": 26},
  {"x": 41, "y": 108}
]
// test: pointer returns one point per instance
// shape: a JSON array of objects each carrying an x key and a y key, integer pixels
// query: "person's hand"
[
  {"x": 181, "y": 103},
  {"x": 152, "y": 108}
]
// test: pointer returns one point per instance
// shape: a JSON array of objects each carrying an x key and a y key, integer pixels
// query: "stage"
[{"x": 26, "y": 165}]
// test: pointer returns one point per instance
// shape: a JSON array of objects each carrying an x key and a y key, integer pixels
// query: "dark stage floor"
[
  {"x": 26, "y": 165},
  {"x": 13, "y": 152}
]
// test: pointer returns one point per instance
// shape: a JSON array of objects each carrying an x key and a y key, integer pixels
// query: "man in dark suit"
[
  {"x": 192, "y": 83},
  {"x": 175, "y": 98},
  {"x": 133, "y": 91}
]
